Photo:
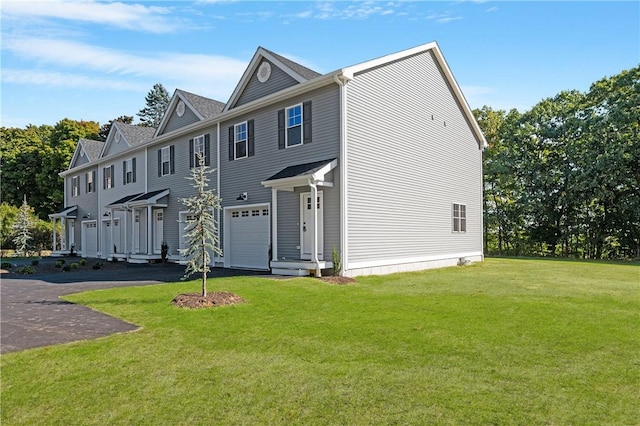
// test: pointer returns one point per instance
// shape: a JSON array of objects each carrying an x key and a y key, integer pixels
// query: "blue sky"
[{"x": 90, "y": 60}]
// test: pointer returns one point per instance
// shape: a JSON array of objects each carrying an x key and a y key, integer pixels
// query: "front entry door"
[
  {"x": 158, "y": 230},
  {"x": 306, "y": 225}
]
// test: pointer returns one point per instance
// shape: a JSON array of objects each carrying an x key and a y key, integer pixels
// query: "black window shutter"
[
  {"x": 306, "y": 122},
  {"x": 124, "y": 172},
  {"x": 281, "y": 129},
  {"x": 133, "y": 168},
  {"x": 207, "y": 150},
  {"x": 231, "y": 150},
  {"x": 86, "y": 184},
  {"x": 250, "y": 139},
  {"x": 113, "y": 175},
  {"x": 159, "y": 162},
  {"x": 191, "y": 161},
  {"x": 104, "y": 178},
  {"x": 172, "y": 162}
]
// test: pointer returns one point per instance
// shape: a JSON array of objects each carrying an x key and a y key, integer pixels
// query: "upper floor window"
[
  {"x": 129, "y": 171},
  {"x": 166, "y": 161},
  {"x": 199, "y": 146},
  {"x": 107, "y": 177},
  {"x": 241, "y": 140},
  {"x": 75, "y": 186},
  {"x": 294, "y": 125},
  {"x": 459, "y": 218},
  {"x": 91, "y": 179}
]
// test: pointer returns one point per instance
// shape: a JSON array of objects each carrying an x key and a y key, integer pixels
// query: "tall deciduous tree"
[
  {"x": 157, "y": 103},
  {"x": 201, "y": 231}
]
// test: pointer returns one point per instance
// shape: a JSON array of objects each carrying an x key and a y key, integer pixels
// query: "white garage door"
[
  {"x": 90, "y": 239},
  {"x": 249, "y": 238}
]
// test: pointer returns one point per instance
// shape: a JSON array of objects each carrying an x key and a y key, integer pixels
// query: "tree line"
[
  {"x": 31, "y": 159},
  {"x": 563, "y": 178}
]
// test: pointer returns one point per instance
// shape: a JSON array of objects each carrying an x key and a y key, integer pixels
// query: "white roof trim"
[
  {"x": 349, "y": 73},
  {"x": 75, "y": 155},
  {"x": 251, "y": 70},
  {"x": 177, "y": 96},
  {"x": 289, "y": 183}
]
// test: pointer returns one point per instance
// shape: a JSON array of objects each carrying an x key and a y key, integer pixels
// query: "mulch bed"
[
  {"x": 338, "y": 280},
  {"x": 196, "y": 301}
]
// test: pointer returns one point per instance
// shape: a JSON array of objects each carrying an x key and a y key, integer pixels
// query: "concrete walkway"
[{"x": 32, "y": 314}]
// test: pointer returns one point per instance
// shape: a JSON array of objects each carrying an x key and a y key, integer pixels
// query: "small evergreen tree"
[
  {"x": 201, "y": 231},
  {"x": 22, "y": 229},
  {"x": 157, "y": 103}
]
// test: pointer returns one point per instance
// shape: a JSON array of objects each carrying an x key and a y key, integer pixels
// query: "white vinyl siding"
[{"x": 404, "y": 166}]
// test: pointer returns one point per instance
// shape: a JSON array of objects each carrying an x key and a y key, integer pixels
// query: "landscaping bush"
[
  {"x": 59, "y": 263},
  {"x": 6, "y": 265},
  {"x": 26, "y": 269},
  {"x": 75, "y": 265},
  {"x": 83, "y": 262}
]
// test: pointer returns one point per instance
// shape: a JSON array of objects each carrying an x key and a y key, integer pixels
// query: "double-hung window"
[
  {"x": 199, "y": 147},
  {"x": 459, "y": 218},
  {"x": 75, "y": 186},
  {"x": 166, "y": 161},
  {"x": 294, "y": 125},
  {"x": 91, "y": 178},
  {"x": 240, "y": 140},
  {"x": 107, "y": 177},
  {"x": 129, "y": 171}
]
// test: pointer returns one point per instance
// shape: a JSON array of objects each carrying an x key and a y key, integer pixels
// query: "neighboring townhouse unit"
[{"x": 379, "y": 164}]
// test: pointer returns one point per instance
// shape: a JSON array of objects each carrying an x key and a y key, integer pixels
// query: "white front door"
[
  {"x": 106, "y": 238},
  {"x": 158, "y": 230},
  {"x": 306, "y": 225}
]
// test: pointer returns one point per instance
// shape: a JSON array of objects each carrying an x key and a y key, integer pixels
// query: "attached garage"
[
  {"x": 90, "y": 239},
  {"x": 247, "y": 237}
]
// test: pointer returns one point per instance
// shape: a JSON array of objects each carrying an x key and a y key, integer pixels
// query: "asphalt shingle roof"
[
  {"x": 300, "y": 69},
  {"x": 92, "y": 148},
  {"x": 135, "y": 135},
  {"x": 300, "y": 169},
  {"x": 206, "y": 107}
]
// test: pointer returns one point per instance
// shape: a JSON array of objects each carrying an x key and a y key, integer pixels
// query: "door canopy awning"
[
  {"x": 66, "y": 213},
  {"x": 140, "y": 200},
  {"x": 302, "y": 175}
]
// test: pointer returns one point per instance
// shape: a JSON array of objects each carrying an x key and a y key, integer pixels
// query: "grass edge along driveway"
[{"x": 508, "y": 341}]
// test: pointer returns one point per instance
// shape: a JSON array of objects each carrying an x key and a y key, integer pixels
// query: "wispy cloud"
[
  {"x": 130, "y": 16},
  {"x": 214, "y": 74},
  {"x": 349, "y": 10},
  {"x": 443, "y": 18},
  {"x": 68, "y": 81}
]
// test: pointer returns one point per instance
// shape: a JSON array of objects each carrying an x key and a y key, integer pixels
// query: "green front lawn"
[{"x": 508, "y": 341}]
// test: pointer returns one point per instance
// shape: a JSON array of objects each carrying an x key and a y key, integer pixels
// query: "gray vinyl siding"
[
  {"x": 178, "y": 184},
  {"x": 175, "y": 122},
  {"x": 114, "y": 148},
  {"x": 405, "y": 169},
  {"x": 119, "y": 190},
  {"x": 87, "y": 204},
  {"x": 278, "y": 80},
  {"x": 81, "y": 160},
  {"x": 245, "y": 175}
]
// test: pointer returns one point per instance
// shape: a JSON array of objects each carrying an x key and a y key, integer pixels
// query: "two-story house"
[{"x": 378, "y": 165}]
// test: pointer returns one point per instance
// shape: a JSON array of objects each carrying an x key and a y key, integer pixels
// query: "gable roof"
[
  {"x": 91, "y": 149},
  {"x": 298, "y": 72},
  {"x": 203, "y": 108},
  {"x": 349, "y": 72},
  {"x": 133, "y": 135}
]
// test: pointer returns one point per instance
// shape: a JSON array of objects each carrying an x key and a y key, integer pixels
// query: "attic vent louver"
[
  {"x": 264, "y": 72},
  {"x": 180, "y": 109}
]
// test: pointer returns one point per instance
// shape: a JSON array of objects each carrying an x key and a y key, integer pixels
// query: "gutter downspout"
[
  {"x": 341, "y": 80},
  {"x": 219, "y": 209}
]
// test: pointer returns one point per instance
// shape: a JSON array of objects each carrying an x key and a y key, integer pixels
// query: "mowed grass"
[{"x": 508, "y": 341}]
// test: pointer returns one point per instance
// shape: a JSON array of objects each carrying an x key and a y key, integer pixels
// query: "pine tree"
[
  {"x": 200, "y": 231},
  {"x": 157, "y": 103},
  {"x": 22, "y": 229}
]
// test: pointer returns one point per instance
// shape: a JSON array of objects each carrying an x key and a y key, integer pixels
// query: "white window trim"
[
  {"x": 91, "y": 185},
  {"x": 128, "y": 171},
  {"x": 287, "y": 127},
  {"x": 75, "y": 186},
  {"x": 167, "y": 150},
  {"x": 458, "y": 219},
  {"x": 108, "y": 178},
  {"x": 246, "y": 140},
  {"x": 196, "y": 150}
]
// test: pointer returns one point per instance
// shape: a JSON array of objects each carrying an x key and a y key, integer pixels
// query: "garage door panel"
[{"x": 249, "y": 238}]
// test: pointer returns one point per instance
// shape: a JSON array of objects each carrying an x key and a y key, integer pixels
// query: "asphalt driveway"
[{"x": 32, "y": 314}]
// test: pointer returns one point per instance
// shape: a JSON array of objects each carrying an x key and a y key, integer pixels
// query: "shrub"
[
  {"x": 75, "y": 265},
  {"x": 66, "y": 268},
  {"x": 35, "y": 262},
  {"x": 59, "y": 263},
  {"x": 337, "y": 263},
  {"x": 6, "y": 265},
  {"x": 26, "y": 269},
  {"x": 83, "y": 262}
]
